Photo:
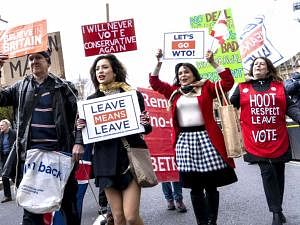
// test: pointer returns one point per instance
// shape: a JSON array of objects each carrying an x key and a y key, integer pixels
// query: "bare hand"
[
  {"x": 77, "y": 152},
  {"x": 80, "y": 124},
  {"x": 159, "y": 54},
  {"x": 145, "y": 119},
  {"x": 210, "y": 58}
]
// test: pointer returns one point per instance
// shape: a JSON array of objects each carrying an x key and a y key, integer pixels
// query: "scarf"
[
  {"x": 196, "y": 91},
  {"x": 114, "y": 86}
]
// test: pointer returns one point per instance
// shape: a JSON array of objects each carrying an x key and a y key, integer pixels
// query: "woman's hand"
[
  {"x": 210, "y": 58},
  {"x": 159, "y": 54},
  {"x": 80, "y": 124},
  {"x": 145, "y": 119}
]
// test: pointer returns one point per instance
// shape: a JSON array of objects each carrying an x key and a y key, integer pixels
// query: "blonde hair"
[{"x": 6, "y": 121}]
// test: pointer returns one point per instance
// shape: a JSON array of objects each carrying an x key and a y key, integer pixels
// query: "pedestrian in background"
[
  {"x": 264, "y": 105},
  {"x": 292, "y": 86},
  {"x": 7, "y": 139},
  {"x": 45, "y": 109},
  {"x": 201, "y": 156},
  {"x": 173, "y": 191},
  {"x": 110, "y": 161}
]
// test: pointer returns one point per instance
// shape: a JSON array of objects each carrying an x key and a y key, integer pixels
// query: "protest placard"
[
  {"x": 24, "y": 39},
  {"x": 110, "y": 37},
  {"x": 110, "y": 117},
  {"x": 184, "y": 45}
]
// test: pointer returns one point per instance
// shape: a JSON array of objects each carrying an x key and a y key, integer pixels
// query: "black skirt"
[
  {"x": 119, "y": 182},
  {"x": 217, "y": 178}
]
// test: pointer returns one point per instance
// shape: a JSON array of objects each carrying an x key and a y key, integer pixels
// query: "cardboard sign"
[
  {"x": 222, "y": 35},
  {"x": 184, "y": 45},
  {"x": 254, "y": 42},
  {"x": 111, "y": 116},
  {"x": 111, "y": 37},
  {"x": 24, "y": 39},
  {"x": 16, "y": 68}
]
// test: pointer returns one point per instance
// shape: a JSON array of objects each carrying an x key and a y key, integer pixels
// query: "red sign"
[
  {"x": 24, "y": 39},
  {"x": 159, "y": 140},
  {"x": 110, "y": 37}
]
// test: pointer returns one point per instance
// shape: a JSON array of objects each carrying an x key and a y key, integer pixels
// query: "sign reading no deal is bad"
[
  {"x": 184, "y": 45},
  {"x": 110, "y": 117},
  {"x": 24, "y": 39},
  {"x": 110, "y": 37}
]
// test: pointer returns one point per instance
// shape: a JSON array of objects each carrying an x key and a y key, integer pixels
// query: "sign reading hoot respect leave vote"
[{"x": 110, "y": 117}]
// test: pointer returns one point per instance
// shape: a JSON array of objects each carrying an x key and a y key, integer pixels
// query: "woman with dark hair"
[
  {"x": 264, "y": 105},
  {"x": 110, "y": 162},
  {"x": 198, "y": 141}
]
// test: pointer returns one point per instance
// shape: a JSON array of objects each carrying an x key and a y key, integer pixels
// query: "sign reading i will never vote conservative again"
[{"x": 110, "y": 117}]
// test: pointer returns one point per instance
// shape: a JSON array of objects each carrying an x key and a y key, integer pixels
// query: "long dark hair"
[
  {"x": 116, "y": 65},
  {"x": 272, "y": 70},
  {"x": 191, "y": 67}
]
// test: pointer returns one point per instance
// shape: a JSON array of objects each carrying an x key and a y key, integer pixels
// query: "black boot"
[
  {"x": 200, "y": 208},
  {"x": 276, "y": 219},
  {"x": 282, "y": 217},
  {"x": 213, "y": 207}
]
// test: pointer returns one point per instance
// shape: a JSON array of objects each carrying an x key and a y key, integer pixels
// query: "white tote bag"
[{"x": 45, "y": 176}]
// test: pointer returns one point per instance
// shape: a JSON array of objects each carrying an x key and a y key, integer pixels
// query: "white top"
[{"x": 188, "y": 111}]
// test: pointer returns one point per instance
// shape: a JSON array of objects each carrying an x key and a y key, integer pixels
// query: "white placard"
[
  {"x": 184, "y": 45},
  {"x": 110, "y": 117}
]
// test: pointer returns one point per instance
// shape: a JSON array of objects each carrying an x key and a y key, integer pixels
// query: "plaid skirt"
[
  {"x": 199, "y": 163},
  {"x": 195, "y": 153}
]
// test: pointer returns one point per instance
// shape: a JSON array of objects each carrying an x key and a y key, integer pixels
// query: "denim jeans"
[{"x": 175, "y": 194}]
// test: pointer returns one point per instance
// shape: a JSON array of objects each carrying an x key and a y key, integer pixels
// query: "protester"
[
  {"x": 201, "y": 157},
  {"x": 292, "y": 86},
  {"x": 175, "y": 194},
  {"x": 264, "y": 106},
  {"x": 7, "y": 139},
  {"x": 110, "y": 161},
  {"x": 45, "y": 110}
]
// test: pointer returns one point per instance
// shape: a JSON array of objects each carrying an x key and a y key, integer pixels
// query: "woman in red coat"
[{"x": 201, "y": 156}]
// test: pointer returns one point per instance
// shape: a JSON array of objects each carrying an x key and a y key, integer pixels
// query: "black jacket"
[
  {"x": 22, "y": 94},
  {"x": 292, "y": 87},
  {"x": 110, "y": 155},
  {"x": 22, "y": 97}
]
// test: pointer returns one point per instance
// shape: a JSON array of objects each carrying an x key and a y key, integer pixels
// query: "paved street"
[{"x": 242, "y": 203}]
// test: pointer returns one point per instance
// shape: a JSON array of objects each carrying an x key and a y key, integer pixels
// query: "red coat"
[{"x": 205, "y": 101}]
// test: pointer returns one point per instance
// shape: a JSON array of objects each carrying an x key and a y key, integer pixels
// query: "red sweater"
[{"x": 205, "y": 101}]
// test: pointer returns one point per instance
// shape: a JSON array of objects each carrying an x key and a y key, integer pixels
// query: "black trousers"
[
  {"x": 273, "y": 181},
  {"x": 68, "y": 207},
  {"x": 5, "y": 180}
]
